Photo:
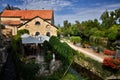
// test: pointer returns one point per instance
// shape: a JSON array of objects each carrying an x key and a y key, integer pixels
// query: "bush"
[
  {"x": 2, "y": 26},
  {"x": 63, "y": 50},
  {"x": 22, "y": 31},
  {"x": 112, "y": 63},
  {"x": 109, "y": 52},
  {"x": 28, "y": 71},
  {"x": 75, "y": 39},
  {"x": 92, "y": 64},
  {"x": 70, "y": 76}
]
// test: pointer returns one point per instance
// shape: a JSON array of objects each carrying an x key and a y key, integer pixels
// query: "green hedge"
[
  {"x": 64, "y": 51},
  {"x": 75, "y": 39}
]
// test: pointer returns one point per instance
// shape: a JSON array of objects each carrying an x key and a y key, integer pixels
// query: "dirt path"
[{"x": 96, "y": 56}]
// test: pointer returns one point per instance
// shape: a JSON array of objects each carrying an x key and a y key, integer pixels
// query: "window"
[
  {"x": 48, "y": 34},
  {"x": 37, "y": 33},
  {"x": 37, "y": 23},
  {"x": 48, "y": 27}
]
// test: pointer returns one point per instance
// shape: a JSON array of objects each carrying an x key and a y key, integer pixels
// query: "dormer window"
[{"x": 37, "y": 23}]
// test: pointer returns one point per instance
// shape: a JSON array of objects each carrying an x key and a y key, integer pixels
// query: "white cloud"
[
  {"x": 80, "y": 13},
  {"x": 4, "y": 5},
  {"x": 46, "y": 4},
  {"x": 83, "y": 14}
]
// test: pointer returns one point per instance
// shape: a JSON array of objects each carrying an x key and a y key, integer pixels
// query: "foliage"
[
  {"x": 16, "y": 44},
  {"x": 59, "y": 32},
  {"x": 9, "y": 7},
  {"x": 109, "y": 52},
  {"x": 69, "y": 76},
  {"x": 112, "y": 63},
  {"x": 2, "y": 26},
  {"x": 25, "y": 71},
  {"x": 22, "y": 31},
  {"x": 91, "y": 64},
  {"x": 28, "y": 71},
  {"x": 70, "y": 29},
  {"x": 63, "y": 50},
  {"x": 99, "y": 33},
  {"x": 94, "y": 30},
  {"x": 66, "y": 24},
  {"x": 112, "y": 32},
  {"x": 110, "y": 18},
  {"x": 75, "y": 39}
]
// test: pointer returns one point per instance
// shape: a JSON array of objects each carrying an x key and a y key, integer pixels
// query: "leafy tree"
[
  {"x": 96, "y": 23},
  {"x": 66, "y": 24},
  {"x": 99, "y": 33},
  {"x": 22, "y": 31},
  {"x": 58, "y": 26},
  {"x": 89, "y": 27},
  {"x": 112, "y": 32},
  {"x": 105, "y": 19},
  {"x": 9, "y": 7},
  {"x": 75, "y": 39},
  {"x": 74, "y": 30},
  {"x": 79, "y": 27},
  {"x": 93, "y": 30},
  {"x": 117, "y": 15},
  {"x": 110, "y": 18}
]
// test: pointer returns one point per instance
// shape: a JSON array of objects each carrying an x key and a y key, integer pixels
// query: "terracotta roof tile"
[{"x": 28, "y": 14}]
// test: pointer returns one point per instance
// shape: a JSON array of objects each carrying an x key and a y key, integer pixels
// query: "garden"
[
  {"x": 103, "y": 38},
  {"x": 28, "y": 69}
]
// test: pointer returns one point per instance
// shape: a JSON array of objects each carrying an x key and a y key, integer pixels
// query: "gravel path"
[{"x": 91, "y": 54}]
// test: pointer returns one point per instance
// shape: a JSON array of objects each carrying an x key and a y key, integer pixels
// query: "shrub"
[
  {"x": 22, "y": 31},
  {"x": 2, "y": 26},
  {"x": 75, "y": 39},
  {"x": 28, "y": 71},
  {"x": 63, "y": 50},
  {"x": 109, "y": 52},
  {"x": 112, "y": 63}
]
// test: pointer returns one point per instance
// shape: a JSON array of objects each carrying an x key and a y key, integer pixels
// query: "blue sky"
[{"x": 70, "y": 10}]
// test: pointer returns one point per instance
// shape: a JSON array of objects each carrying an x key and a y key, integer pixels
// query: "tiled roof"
[
  {"x": 11, "y": 22},
  {"x": 28, "y": 14}
]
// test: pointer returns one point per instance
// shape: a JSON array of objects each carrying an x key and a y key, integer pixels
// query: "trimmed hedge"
[{"x": 75, "y": 39}]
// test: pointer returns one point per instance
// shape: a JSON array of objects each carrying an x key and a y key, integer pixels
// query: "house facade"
[{"x": 36, "y": 21}]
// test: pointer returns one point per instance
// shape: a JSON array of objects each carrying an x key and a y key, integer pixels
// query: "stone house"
[{"x": 36, "y": 21}]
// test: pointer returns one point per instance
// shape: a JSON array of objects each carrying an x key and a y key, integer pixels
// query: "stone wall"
[{"x": 42, "y": 27}]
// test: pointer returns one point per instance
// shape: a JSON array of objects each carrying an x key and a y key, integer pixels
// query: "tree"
[
  {"x": 105, "y": 19},
  {"x": 117, "y": 15},
  {"x": 9, "y": 7},
  {"x": 22, "y": 31},
  {"x": 110, "y": 18},
  {"x": 66, "y": 24},
  {"x": 96, "y": 23},
  {"x": 112, "y": 32},
  {"x": 74, "y": 31},
  {"x": 58, "y": 26}
]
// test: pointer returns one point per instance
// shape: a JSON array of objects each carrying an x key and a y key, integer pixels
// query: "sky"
[{"x": 71, "y": 10}]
